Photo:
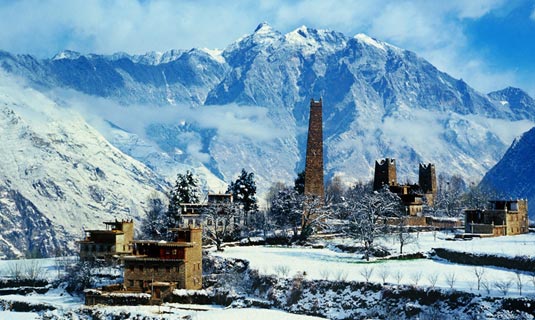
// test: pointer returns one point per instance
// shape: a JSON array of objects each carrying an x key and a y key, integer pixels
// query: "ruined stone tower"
[
  {"x": 385, "y": 173},
  {"x": 314, "y": 155}
]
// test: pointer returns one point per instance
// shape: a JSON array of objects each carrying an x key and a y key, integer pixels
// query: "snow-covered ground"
[
  {"x": 520, "y": 245},
  {"x": 326, "y": 263},
  {"x": 332, "y": 265},
  {"x": 19, "y": 315},
  {"x": 176, "y": 311},
  {"x": 171, "y": 311},
  {"x": 63, "y": 302}
]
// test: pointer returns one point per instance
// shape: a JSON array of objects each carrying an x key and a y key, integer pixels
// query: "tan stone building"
[
  {"x": 111, "y": 242},
  {"x": 503, "y": 219},
  {"x": 158, "y": 267},
  {"x": 412, "y": 195}
]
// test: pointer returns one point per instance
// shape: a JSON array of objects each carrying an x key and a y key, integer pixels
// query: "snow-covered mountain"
[
  {"x": 514, "y": 174},
  {"x": 247, "y": 106},
  {"x": 516, "y": 99},
  {"x": 58, "y": 175}
]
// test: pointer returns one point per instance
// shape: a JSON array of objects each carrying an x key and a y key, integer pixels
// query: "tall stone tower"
[
  {"x": 314, "y": 157},
  {"x": 385, "y": 174}
]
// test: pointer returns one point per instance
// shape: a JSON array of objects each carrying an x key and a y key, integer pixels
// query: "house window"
[
  {"x": 141, "y": 268},
  {"x": 168, "y": 269},
  {"x": 131, "y": 283}
]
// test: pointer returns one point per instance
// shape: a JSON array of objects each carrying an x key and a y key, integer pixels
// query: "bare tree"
[
  {"x": 477, "y": 197},
  {"x": 340, "y": 275},
  {"x": 325, "y": 273},
  {"x": 479, "y": 272},
  {"x": 415, "y": 277},
  {"x": 485, "y": 285},
  {"x": 33, "y": 270},
  {"x": 451, "y": 278},
  {"x": 272, "y": 192},
  {"x": 402, "y": 232},
  {"x": 384, "y": 273},
  {"x": 315, "y": 217},
  {"x": 334, "y": 191},
  {"x": 282, "y": 270},
  {"x": 155, "y": 223},
  {"x": 519, "y": 283},
  {"x": 222, "y": 220},
  {"x": 15, "y": 270},
  {"x": 432, "y": 278},
  {"x": 79, "y": 276},
  {"x": 366, "y": 273},
  {"x": 448, "y": 201},
  {"x": 399, "y": 276},
  {"x": 503, "y": 286},
  {"x": 286, "y": 210},
  {"x": 367, "y": 216}
]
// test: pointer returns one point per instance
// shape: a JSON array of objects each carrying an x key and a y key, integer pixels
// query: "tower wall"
[
  {"x": 385, "y": 173},
  {"x": 427, "y": 178},
  {"x": 314, "y": 153}
]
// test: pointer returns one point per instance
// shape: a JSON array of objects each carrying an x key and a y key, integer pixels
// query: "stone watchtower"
[
  {"x": 427, "y": 178},
  {"x": 385, "y": 174},
  {"x": 314, "y": 156}
]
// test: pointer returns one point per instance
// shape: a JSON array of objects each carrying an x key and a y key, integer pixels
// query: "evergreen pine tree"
[
  {"x": 186, "y": 190},
  {"x": 244, "y": 191}
]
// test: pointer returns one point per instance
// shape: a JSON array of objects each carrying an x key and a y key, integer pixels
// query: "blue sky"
[{"x": 488, "y": 43}]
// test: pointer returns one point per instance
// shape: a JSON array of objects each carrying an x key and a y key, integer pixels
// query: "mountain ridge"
[{"x": 379, "y": 101}]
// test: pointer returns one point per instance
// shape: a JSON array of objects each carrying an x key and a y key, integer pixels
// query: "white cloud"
[
  {"x": 228, "y": 120},
  {"x": 45, "y": 27},
  {"x": 532, "y": 16},
  {"x": 240, "y": 123}
]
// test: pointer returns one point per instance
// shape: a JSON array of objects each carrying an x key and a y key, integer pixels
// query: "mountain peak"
[
  {"x": 510, "y": 91},
  {"x": 67, "y": 54},
  {"x": 263, "y": 27},
  {"x": 518, "y": 100},
  {"x": 370, "y": 41},
  {"x": 310, "y": 40}
]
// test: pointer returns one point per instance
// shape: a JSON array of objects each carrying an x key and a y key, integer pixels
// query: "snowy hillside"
[
  {"x": 58, "y": 175},
  {"x": 247, "y": 106},
  {"x": 514, "y": 174}
]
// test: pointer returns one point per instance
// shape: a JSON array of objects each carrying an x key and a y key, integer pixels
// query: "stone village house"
[
  {"x": 150, "y": 267},
  {"x": 503, "y": 219}
]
